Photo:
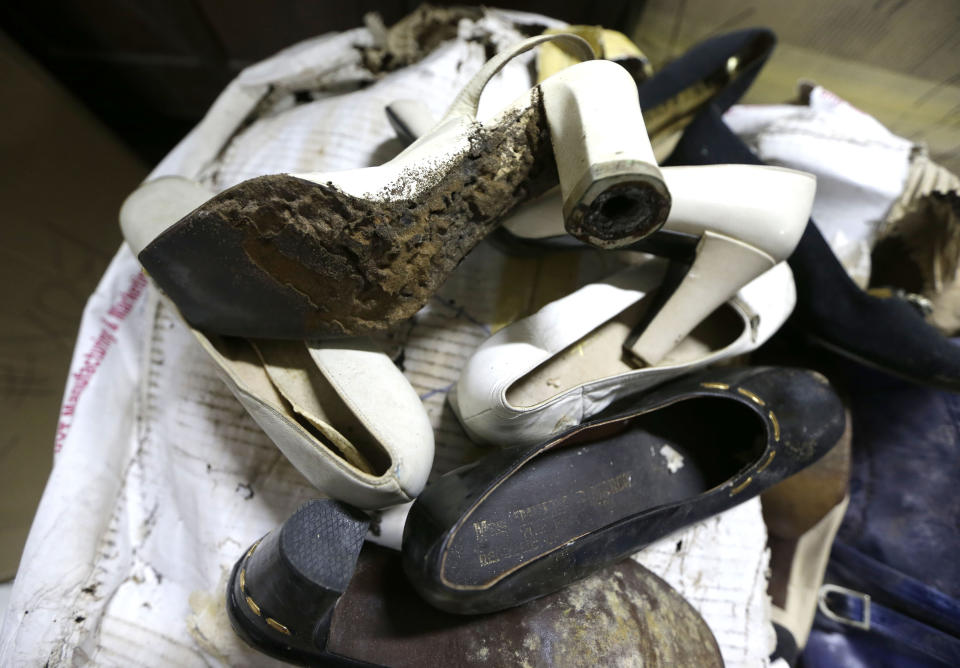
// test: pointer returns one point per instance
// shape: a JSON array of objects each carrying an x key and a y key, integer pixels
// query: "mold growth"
[{"x": 362, "y": 265}]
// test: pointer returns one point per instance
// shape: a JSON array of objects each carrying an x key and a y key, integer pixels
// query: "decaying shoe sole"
[
  {"x": 315, "y": 255},
  {"x": 310, "y": 259},
  {"x": 313, "y": 399}
]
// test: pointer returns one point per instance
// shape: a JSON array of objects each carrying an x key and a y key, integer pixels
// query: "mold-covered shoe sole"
[
  {"x": 328, "y": 254},
  {"x": 283, "y": 257}
]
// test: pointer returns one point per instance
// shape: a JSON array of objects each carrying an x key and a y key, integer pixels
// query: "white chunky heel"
[
  {"x": 612, "y": 191},
  {"x": 748, "y": 218}
]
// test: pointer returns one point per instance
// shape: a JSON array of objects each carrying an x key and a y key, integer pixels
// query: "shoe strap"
[
  {"x": 841, "y": 609},
  {"x": 468, "y": 101}
]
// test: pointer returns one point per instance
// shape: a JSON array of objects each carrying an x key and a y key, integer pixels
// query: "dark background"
[{"x": 149, "y": 69}]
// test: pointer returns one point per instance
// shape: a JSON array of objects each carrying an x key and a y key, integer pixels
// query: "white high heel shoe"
[
  {"x": 565, "y": 363},
  {"x": 369, "y": 448},
  {"x": 319, "y": 254},
  {"x": 520, "y": 386},
  {"x": 744, "y": 219},
  {"x": 747, "y": 218}
]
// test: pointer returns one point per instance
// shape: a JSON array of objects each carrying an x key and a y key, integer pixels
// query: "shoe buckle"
[{"x": 824, "y": 606}]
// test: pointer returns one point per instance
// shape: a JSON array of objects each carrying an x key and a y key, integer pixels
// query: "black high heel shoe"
[{"x": 525, "y": 521}]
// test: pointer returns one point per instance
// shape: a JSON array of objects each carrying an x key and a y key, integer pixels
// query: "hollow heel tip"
[{"x": 617, "y": 203}]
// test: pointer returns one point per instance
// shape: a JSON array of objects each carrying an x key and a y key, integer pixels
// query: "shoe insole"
[
  {"x": 600, "y": 353},
  {"x": 282, "y": 374},
  {"x": 670, "y": 455}
]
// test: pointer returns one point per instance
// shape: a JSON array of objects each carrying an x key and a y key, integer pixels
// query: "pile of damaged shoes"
[{"x": 292, "y": 283}]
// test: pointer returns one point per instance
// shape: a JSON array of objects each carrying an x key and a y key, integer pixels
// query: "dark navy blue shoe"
[{"x": 526, "y": 521}]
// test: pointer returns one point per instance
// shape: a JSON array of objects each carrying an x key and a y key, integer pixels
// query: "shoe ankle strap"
[{"x": 467, "y": 102}]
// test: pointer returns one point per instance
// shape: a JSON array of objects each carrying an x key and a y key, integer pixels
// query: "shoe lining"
[
  {"x": 601, "y": 479},
  {"x": 282, "y": 374},
  {"x": 600, "y": 353}
]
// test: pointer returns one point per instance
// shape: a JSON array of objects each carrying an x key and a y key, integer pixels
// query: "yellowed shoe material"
[
  {"x": 607, "y": 44},
  {"x": 340, "y": 411},
  {"x": 351, "y": 424},
  {"x": 550, "y": 371}
]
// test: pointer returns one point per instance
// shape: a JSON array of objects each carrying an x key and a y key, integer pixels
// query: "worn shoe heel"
[
  {"x": 803, "y": 515},
  {"x": 613, "y": 192},
  {"x": 282, "y": 592},
  {"x": 747, "y": 219}
]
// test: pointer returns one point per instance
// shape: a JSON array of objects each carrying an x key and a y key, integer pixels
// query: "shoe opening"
[{"x": 623, "y": 471}]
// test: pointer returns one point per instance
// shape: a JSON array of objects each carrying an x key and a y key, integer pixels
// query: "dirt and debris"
[
  {"x": 672, "y": 458},
  {"x": 246, "y": 490},
  {"x": 322, "y": 262},
  {"x": 413, "y": 37},
  {"x": 920, "y": 254}
]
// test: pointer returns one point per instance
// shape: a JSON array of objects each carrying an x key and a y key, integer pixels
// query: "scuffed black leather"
[
  {"x": 282, "y": 592},
  {"x": 810, "y": 419}
]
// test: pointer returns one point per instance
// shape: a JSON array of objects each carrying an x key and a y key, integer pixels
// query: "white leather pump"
[
  {"x": 565, "y": 363},
  {"x": 747, "y": 218},
  {"x": 370, "y": 448},
  {"x": 744, "y": 219},
  {"x": 320, "y": 254}
]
